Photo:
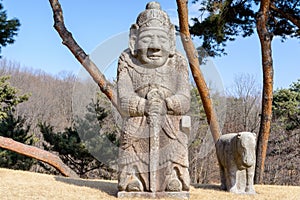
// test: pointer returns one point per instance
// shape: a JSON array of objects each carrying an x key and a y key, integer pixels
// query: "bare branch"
[{"x": 79, "y": 53}]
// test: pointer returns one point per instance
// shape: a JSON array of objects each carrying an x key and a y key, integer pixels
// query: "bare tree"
[
  {"x": 51, "y": 96},
  {"x": 243, "y": 105}
]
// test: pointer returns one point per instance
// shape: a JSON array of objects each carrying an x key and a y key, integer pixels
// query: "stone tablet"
[
  {"x": 236, "y": 156},
  {"x": 153, "y": 97}
]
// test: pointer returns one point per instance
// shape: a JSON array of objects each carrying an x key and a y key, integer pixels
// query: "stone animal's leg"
[
  {"x": 249, "y": 184},
  {"x": 232, "y": 187},
  {"x": 241, "y": 180},
  {"x": 223, "y": 178}
]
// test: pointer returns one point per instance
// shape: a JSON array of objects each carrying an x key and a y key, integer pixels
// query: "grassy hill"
[{"x": 26, "y": 185}]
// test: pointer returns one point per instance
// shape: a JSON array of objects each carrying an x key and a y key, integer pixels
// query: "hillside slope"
[{"x": 27, "y": 185}]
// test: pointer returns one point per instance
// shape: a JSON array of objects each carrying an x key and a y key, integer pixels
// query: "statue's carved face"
[{"x": 153, "y": 47}]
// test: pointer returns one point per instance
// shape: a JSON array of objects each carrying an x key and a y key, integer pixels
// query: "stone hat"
[{"x": 153, "y": 17}]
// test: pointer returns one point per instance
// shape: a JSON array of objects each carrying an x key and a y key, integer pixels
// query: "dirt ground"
[{"x": 26, "y": 185}]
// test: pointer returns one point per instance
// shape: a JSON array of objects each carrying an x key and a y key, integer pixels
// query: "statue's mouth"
[{"x": 154, "y": 57}]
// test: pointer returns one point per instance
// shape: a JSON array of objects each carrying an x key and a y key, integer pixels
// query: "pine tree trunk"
[
  {"x": 265, "y": 38},
  {"x": 36, "y": 153},
  {"x": 193, "y": 59}
]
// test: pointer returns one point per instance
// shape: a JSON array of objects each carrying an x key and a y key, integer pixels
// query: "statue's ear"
[
  {"x": 239, "y": 135},
  {"x": 172, "y": 40},
  {"x": 132, "y": 39}
]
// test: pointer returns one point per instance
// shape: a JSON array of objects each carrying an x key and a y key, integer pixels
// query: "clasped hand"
[{"x": 155, "y": 104}]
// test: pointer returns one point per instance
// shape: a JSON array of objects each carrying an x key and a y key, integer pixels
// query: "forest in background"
[{"x": 47, "y": 121}]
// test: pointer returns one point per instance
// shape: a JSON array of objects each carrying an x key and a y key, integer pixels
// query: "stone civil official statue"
[{"x": 153, "y": 96}]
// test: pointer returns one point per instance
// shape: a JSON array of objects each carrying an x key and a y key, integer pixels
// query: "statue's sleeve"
[
  {"x": 130, "y": 104},
  {"x": 179, "y": 103}
]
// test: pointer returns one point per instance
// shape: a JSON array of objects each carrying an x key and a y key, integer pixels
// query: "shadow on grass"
[
  {"x": 104, "y": 186},
  {"x": 207, "y": 187}
]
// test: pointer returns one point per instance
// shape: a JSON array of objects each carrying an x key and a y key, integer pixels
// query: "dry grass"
[{"x": 26, "y": 185}]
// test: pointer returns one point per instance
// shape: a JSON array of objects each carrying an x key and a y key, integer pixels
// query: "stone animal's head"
[
  {"x": 245, "y": 149},
  {"x": 152, "y": 37}
]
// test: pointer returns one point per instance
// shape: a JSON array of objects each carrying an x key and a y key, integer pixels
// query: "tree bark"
[
  {"x": 79, "y": 53},
  {"x": 193, "y": 59},
  {"x": 265, "y": 38},
  {"x": 36, "y": 153}
]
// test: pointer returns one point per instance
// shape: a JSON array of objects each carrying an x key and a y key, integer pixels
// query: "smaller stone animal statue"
[{"x": 236, "y": 157}]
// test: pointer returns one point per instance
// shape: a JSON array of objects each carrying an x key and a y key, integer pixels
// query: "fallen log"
[{"x": 37, "y": 153}]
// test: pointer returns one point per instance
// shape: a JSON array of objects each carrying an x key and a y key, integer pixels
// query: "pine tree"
[
  {"x": 12, "y": 126},
  {"x": 8, "y": 28},
  {"x": 286, "y": 104},
  {"x": 84, "y": 148},
  {"x": 15, "y": 128}
]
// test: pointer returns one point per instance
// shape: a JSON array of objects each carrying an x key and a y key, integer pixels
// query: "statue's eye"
[
  {"x": 163, "y": 39},
  {"x": 145, "y": 40}
]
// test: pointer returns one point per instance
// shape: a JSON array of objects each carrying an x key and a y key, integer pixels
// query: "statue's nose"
[{"x": 154, "y": 45}]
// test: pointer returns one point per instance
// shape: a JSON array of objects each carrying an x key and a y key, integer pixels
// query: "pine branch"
[{"x": 292, "y": 18}]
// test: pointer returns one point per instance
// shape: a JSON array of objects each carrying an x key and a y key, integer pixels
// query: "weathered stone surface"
[
  {"x": 236, "y": 156},
  {"x": 186, "y": 124},
  {"x": 153, "y": 96}
]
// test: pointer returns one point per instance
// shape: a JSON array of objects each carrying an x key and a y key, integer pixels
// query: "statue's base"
[{"x": 154, "y": 195}]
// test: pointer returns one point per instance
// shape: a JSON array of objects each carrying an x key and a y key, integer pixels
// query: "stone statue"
[
  {"x": 153, "y": 96},
  {"x": 236, "y": 156}
]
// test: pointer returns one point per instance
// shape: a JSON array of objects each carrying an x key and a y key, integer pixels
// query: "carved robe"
[{"x": 134, "y": 82}]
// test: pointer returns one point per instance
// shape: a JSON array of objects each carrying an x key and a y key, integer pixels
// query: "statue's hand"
[
  {"x": 155, "y": 107},
  {"x": 155, "y": 94}
]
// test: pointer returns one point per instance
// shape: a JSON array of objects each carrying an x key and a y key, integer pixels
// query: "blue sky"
[{"x": 92, "y": 22}]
